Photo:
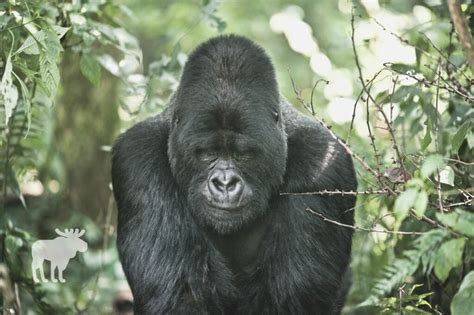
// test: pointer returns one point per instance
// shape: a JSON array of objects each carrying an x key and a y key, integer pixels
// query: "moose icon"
[{"x": 58, "y": 251}]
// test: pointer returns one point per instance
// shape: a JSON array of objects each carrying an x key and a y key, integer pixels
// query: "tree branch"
[
  {"x": 462, "y": 29},
  {"x": 359, "y": 228}
]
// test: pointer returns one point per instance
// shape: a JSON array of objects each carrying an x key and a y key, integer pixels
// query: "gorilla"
[{"x": 202, "y": 225}]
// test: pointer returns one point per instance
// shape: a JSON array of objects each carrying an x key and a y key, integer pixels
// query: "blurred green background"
[{"x": 77, "y": 73}]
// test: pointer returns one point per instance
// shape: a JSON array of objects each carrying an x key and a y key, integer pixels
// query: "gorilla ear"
[
  {"x": 276, "y": 116},
  {"x": 175, "y": 120}
]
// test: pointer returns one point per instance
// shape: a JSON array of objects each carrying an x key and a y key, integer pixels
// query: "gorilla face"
[
  {"x": 227, "y": 146},
  {"x": 224, "y": 158}
]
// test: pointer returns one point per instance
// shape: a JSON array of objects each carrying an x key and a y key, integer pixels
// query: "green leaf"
[
  {"x": 420, "y": 203},
  {"x": 8, "y": 90},
  {"x": 108, "y": 63},
  {"x": 30, "y": 45},
  {"x": 402, "y": 93},
  {"x": 48, "y": 63},
  {"x": 460, "y": 135},
  {"x": 427, "y": 138},
  {"x": 431, "y": 164},
  {"x": 12, "y": 183},
  {"x": 402, "y": 267},
  {"x": 463, "y": 301},
  {"x": 446, "y": 176},
  {"x": 401, "y": 68},
  {"x": 460, "y": 221},
  {"x": 25, "y": 93},
  {"x": 90, "y": 68},
  {"x": 449, "y": 256},
  {"x": 12, "y": 244},
  {"x": 470, "y": 140},
  {"x": 404, "y": 203},
  {"x": 382, "y": 97},
  {"x": 448, "y": 219},
  {"x": 121, "y": 39}
]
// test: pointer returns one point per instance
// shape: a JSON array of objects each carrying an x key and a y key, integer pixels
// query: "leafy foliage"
[
  {"x": 429, "y": 141},
  {"x": 37, "y": 34},
  {"x": 416, "y": 136},
  {"x": 463, "y": 301},
  {"x": 418, "y": 257}
]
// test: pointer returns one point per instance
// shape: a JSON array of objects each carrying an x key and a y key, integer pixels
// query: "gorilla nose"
[{"x": 226, "y": 185}]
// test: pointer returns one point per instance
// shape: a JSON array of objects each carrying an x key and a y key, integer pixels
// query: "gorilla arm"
[
  {"x": 166, "y": 261},
  {"x": 313, "y": 255}
]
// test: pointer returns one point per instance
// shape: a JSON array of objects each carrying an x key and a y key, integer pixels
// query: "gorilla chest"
[{"x": 241, "y": 250}]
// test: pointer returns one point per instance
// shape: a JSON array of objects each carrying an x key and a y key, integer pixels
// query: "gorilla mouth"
[{"x": 225, "y": 207}]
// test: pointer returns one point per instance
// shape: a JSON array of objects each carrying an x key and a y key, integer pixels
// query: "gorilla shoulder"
[
  {"x": 316, "y": 161},
  {"x": 140, "y": 151}
]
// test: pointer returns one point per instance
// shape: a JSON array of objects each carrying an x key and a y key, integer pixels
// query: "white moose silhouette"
[{"x": 57, "y": 251}]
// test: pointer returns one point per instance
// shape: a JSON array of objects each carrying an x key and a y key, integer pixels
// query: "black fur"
[{"x": 180, "y": 255}]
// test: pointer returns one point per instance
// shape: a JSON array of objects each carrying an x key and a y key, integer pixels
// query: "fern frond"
[{"x": 395, "y": 274}]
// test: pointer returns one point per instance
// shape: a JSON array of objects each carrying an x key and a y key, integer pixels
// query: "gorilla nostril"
[
  {"x": 217, "y": 183},
  {"x": 233, "y": 184},
  {"x": 226, "y": 184}
]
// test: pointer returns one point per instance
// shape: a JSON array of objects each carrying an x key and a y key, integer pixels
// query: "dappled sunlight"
[{"x": 298, "y": 33}]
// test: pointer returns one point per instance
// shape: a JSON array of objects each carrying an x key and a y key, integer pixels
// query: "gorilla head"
[{"x": 227, "y": 144}]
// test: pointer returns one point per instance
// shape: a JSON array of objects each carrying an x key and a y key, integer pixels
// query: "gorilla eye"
[
  {"x": 245, "y": 155},
  {"x": 206, "y": 155}
]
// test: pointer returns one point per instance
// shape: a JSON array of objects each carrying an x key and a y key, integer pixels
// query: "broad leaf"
[
  {"x": 431, "y": 164},
  {"x": 460, "y": 135},
  {"x": 470, "y": 140},
  {"x": 463, "y": 301},
  {"x": 12, "y": 244},
  {"x": 404, "y": 203},
  {"x": 446, "y": 176},
  {"x": 421, "y": 202},
  {"x": 30, "y": 45},
  {"x": 461, "y": 221},
  {"x": 25, "y": 93},
  {"x": 8, "y": 90},
  {"x": 449, "y": 256},
  {"x": 109, "y": 64},
  {"x": 427, "y": 138},
  {"x": 402, "y": 68},
  {"x": 48, "y": 63},
  {"x": 90, "y": 68}
]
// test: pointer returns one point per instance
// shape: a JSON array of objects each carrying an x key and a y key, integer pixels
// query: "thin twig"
[
  {"x": 458, "y": 204},
  {"x": 379, "y": 107},
  {"x": 358, "y": 228},
  {"x": 456, "y": 161},
  {"x": 340, "y": 192},
  {"x": 348, "y": 139},
  {"x": 432, "y": 222},
  {"x": 371, "y": 135},
  {"x": 427, "y": 83},
  {"x": 438, "y": 185},
  {"x": 391, "y": 98},
  {"x": 423, "y": 51},
  {"x": 357, "y": 101},
  {"x": 333, "y": 135},
  {"x": 312, "y": 93}
]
